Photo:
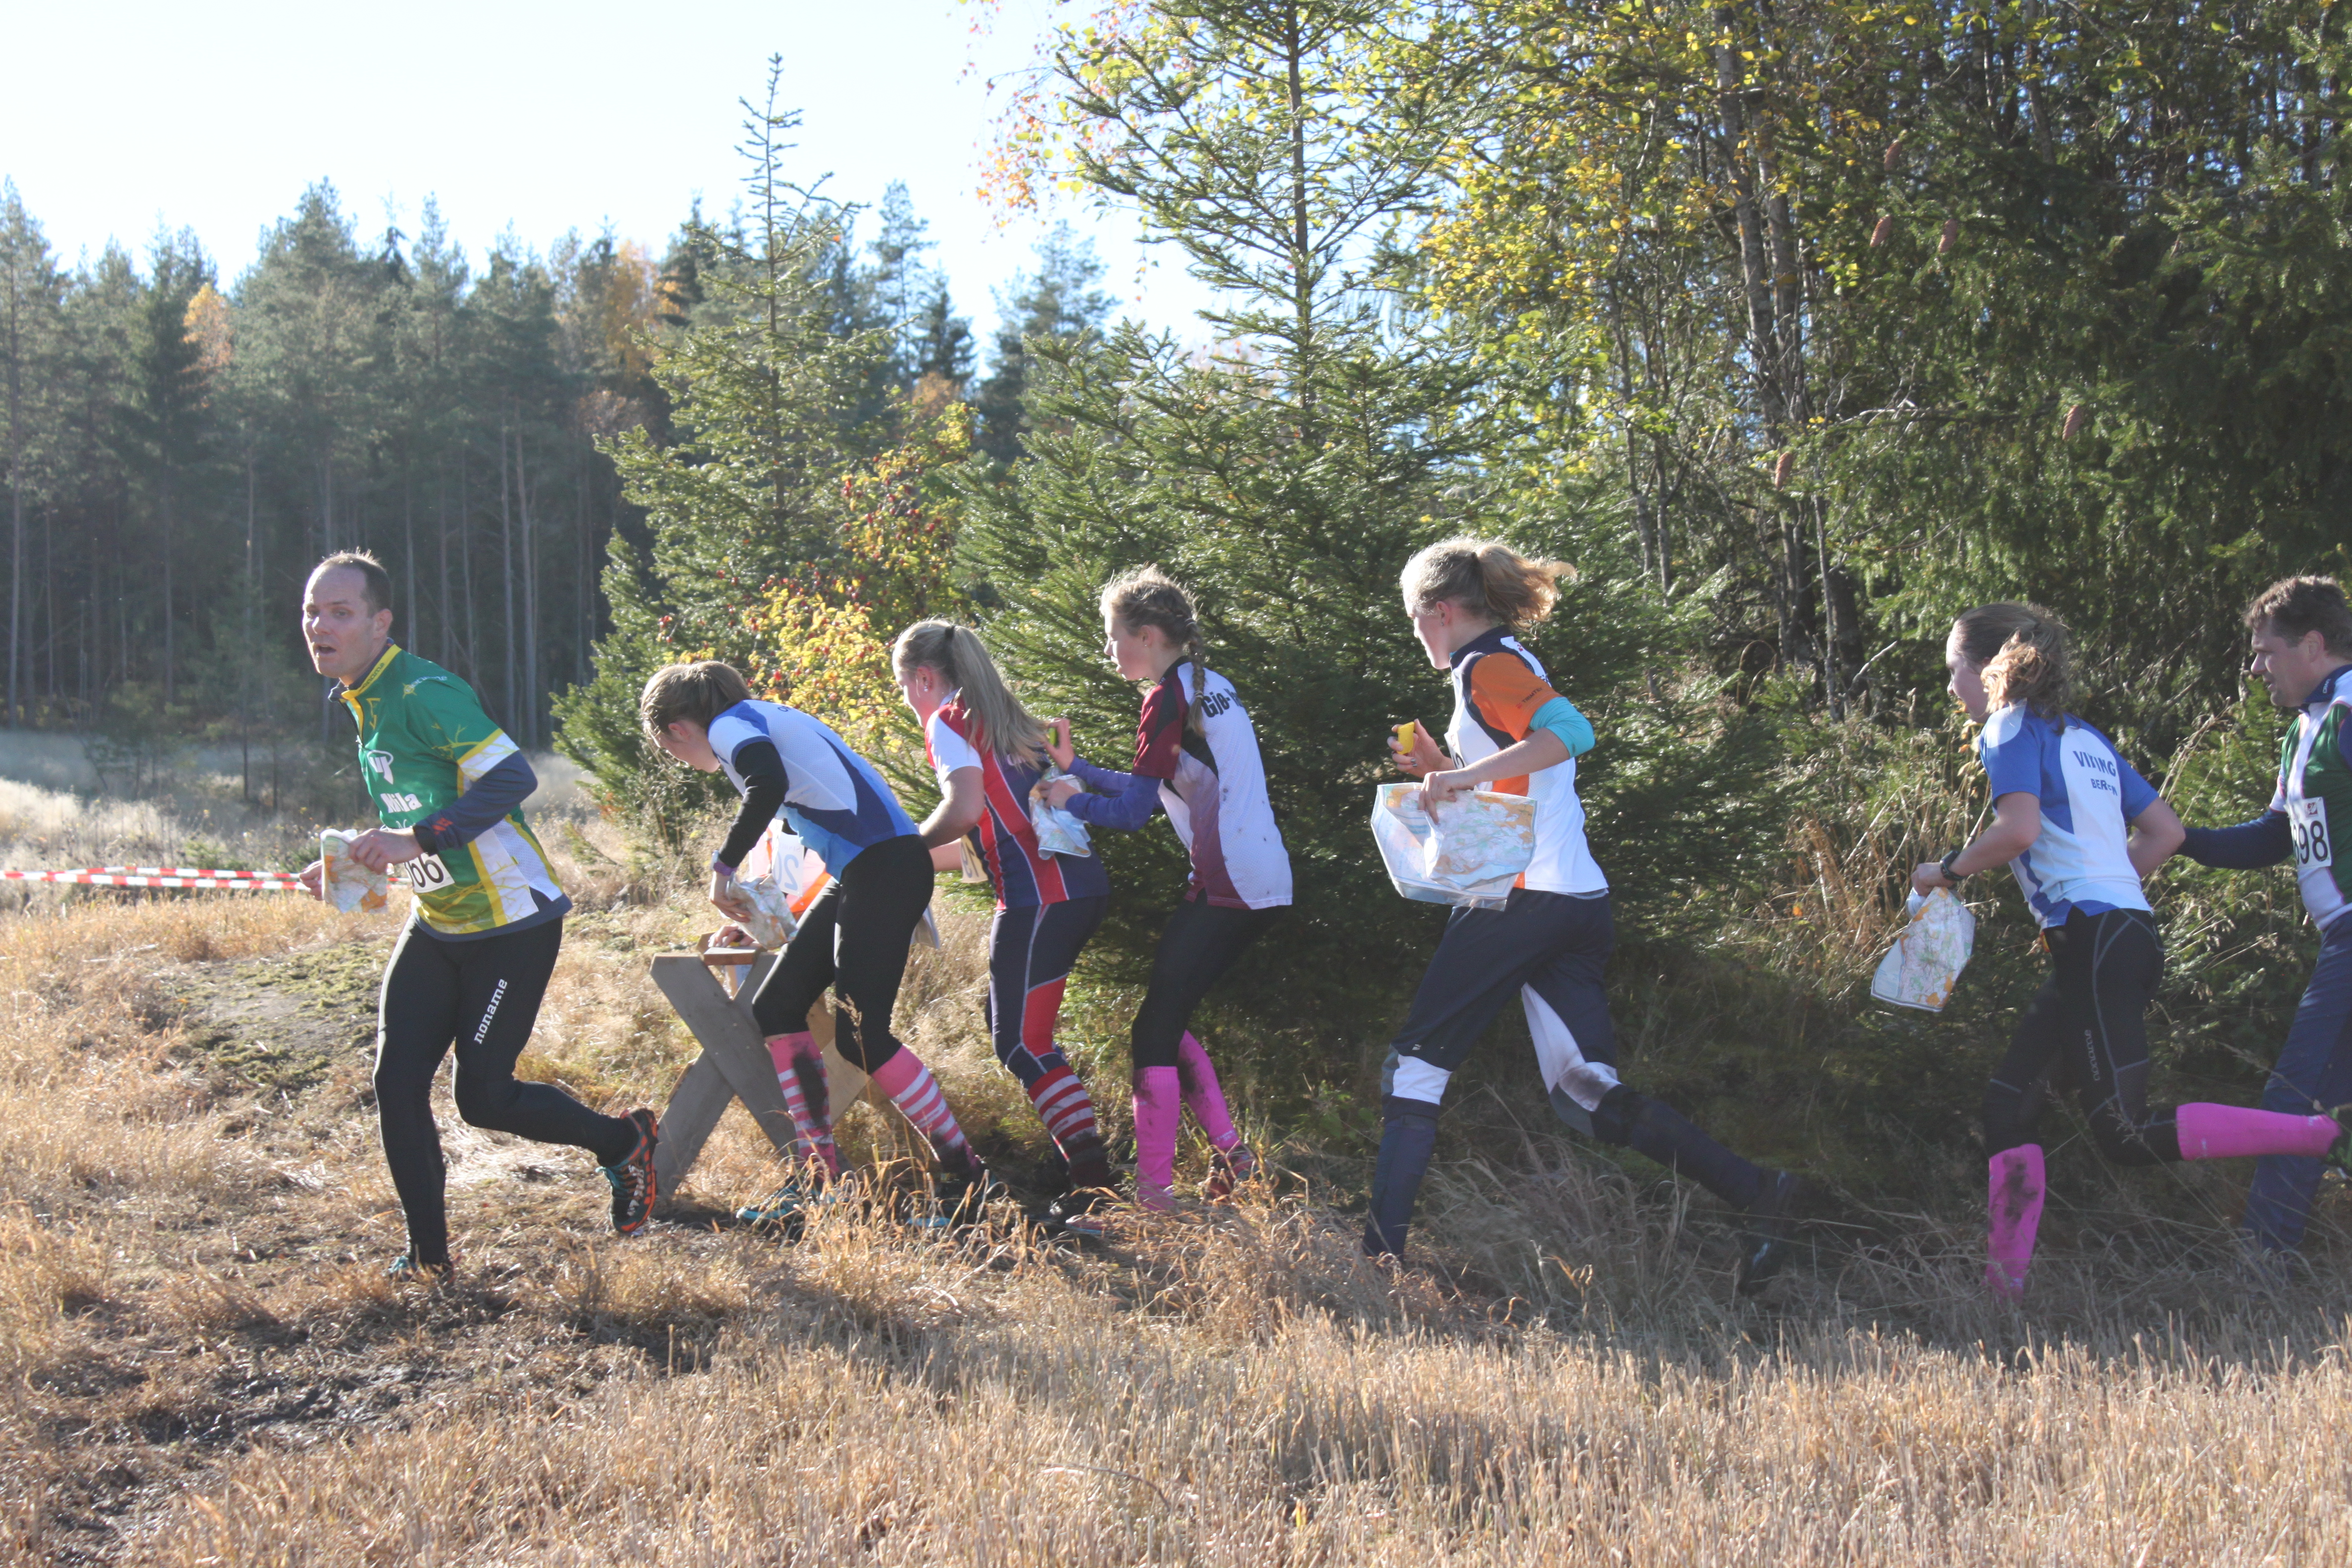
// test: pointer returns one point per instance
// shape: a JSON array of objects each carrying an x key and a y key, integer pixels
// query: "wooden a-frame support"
[{"x": 734, "y": 1065}]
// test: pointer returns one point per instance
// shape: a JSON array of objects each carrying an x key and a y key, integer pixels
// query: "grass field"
[{"x": 204, "y": 1364}]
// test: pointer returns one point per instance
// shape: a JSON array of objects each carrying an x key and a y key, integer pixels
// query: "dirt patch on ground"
[{"x": 277, "y": 1024}]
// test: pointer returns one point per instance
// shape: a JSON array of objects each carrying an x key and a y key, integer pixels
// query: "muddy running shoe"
[
  {"x": 1228, "y": 1169},
  {"x": 634, "y": 1187},
  {"x": 1767, "y": 1237}
]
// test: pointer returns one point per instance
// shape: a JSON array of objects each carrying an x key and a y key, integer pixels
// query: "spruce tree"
[
  {"x": 764, "y": 394},
  {"x": 1057, "y": 302},
  {"x": 1286, "y": 476}
]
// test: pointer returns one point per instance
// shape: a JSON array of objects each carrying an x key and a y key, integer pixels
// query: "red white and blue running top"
[
  {"x": 2088, "y": 795},
  {"x": 1023, "y": 875},
  {"x": 1212, "y": 785},
  {"x": 1500, "y": 697},
  {"x": 829, "y": 794}
]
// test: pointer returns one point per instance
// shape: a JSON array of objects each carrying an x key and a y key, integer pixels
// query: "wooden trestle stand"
[{"x": 734, "y": 1064}]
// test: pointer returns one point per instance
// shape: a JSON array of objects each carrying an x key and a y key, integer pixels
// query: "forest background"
[{"x": 1797, "y": 328}]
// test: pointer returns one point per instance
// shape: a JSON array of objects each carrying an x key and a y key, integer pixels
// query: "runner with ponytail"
[
  {"x": 989, "y": 752},
  {"x": 1513, "y": 734},
  {"x": 2079, "y": 828},
  {"x": 1196, "y": 757},
  {"x": 852, "y": 940}
]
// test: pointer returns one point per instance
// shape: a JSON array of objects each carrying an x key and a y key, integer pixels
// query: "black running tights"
[
  {"x": 2085, "y": 1031},
  {"x": 483, "y": 998}
]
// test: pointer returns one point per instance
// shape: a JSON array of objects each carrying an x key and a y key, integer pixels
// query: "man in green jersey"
[
  {"x": 2302, "y": 637},
  {"x": 487, "y": 917}
]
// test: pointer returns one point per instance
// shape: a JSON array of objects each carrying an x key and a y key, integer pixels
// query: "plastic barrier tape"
[{"x": 166, "y": 877}]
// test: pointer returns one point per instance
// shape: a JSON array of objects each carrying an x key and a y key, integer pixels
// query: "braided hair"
[{"x": 1147, "y": 597}]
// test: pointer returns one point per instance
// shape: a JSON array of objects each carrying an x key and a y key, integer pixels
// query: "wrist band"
[
  {"x": 722, "y": 867},
  {"x": 1945, "y": 865}
]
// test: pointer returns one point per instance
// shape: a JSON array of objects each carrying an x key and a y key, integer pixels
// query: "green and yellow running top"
[{"x": 425, "y": 741}]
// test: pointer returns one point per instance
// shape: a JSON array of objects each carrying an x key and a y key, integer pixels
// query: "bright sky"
[{"x": 127, "y": 117}]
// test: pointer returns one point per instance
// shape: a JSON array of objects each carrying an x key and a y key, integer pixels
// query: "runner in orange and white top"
[{"x": 1512, "y": 733}]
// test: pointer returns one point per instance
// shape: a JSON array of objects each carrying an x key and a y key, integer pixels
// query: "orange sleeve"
[{"x": 1507, "y": 693}]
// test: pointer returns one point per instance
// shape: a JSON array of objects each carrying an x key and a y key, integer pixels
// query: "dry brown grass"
[{"x": 201, "y": 1361}]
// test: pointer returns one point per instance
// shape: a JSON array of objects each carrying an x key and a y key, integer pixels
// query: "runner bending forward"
[
  {"x": 1196, "y": 757},
  {"x": 486, "y": 918},
  {"x": 2079, "y": 828},
  {"x": 1551, "y": 939},
  {"x": 854, "y": 937}
]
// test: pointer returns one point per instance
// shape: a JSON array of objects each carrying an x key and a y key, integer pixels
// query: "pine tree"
[{"x": 31, "y": 324}]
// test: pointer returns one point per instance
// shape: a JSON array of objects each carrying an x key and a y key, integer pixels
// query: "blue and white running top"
[
  {"x": 2089, "y": 795},
  {"x": 832, "y": 797}
]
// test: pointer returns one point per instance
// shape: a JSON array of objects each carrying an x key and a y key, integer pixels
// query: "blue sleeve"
[
  {"x": 2247, "y": 847},
  {"x": 2013, "y": 766},
  {"x": 1561, "y": 717},
  {"x": 1127, "y": 803},
  {"x": 470, "y": 815},
  {"x": 2138, "y": 793}
]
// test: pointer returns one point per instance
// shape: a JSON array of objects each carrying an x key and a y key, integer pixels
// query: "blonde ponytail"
[
  {"x": 1487, "y": 578},
  {"x": 999, "y": 723},
  {"x": 2022, "y": 650}
]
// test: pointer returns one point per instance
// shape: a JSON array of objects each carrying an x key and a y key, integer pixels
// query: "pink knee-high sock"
[
  {"x": 2225, "y": 1132},
  {"x": 916, "y": 1093},
  {"x": 1204, "y": 1096},
  {"x": 800, "y": 1073},
  {"x": 1159, "y": 1109},
  {"x": 2015, "y": 1188}
]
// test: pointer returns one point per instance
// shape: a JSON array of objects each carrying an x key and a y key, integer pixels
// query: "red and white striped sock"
[
  {"x": 916, "y": 1093},
  {"x": 800, "y": 1073},
  {"x": 1068, "y": 1113}
]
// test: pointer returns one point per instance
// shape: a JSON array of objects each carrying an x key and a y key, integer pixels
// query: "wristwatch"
[{"x": 1945, "y": 865}]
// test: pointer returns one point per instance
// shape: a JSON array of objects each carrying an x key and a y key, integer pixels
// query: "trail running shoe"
[
  {"x": 957, "y": 1200},
  {"x": 1767, "y": 1236},
  {"x": 405, "y": 1271},
  {"x": 1228, "y": 1169},
  {"x": 634, "y": 1187},
  {"x": 1075, "y": 1214},
  {"x": 1154, "y": 1200},
  {"x": 786, "y": 1203}
]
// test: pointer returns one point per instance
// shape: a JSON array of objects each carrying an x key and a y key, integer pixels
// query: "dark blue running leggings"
[{"x": 2314, "y": 1074}]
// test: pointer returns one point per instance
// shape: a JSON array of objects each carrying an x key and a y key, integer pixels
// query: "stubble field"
[{"x": 204, "y": 1364}]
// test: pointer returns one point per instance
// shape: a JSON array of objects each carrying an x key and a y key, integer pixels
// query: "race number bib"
[
  {"x": 425, "y": 874},
  {"x": 2315, "y": 848}
]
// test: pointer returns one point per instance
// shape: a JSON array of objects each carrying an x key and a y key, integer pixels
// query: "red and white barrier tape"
[{"x": 167, "y": 877}]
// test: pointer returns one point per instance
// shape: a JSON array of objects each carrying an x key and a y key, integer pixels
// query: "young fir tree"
[{"x": 762, "y": 393}]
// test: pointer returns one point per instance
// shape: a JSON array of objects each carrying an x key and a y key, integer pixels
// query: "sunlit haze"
[{"x": 125, "y": 119}]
